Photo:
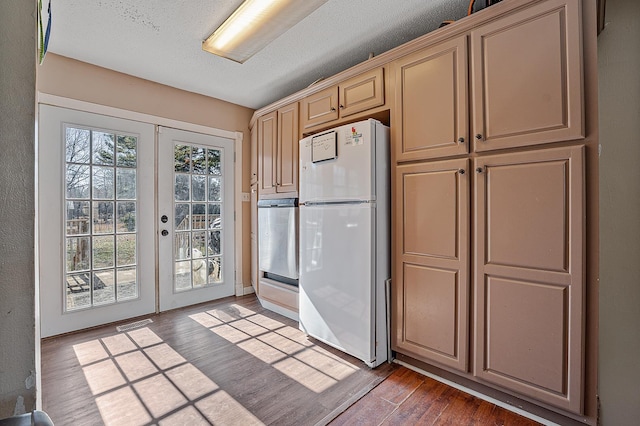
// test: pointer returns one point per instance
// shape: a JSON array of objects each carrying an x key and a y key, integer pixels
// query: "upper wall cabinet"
[
  {"x": 357, "y": 94},
  {"x": 527, "y": 77},
  {"x": 278, "y": 151},
  {"x": 431, "y": 102},
  {"x": 267, "y": 135}
]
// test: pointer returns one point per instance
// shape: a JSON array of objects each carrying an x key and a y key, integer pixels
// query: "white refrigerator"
[{"x": 345, "y": 238}]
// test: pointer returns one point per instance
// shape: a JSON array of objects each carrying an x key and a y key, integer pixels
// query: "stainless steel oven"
[{"x": 278, "y": 239}]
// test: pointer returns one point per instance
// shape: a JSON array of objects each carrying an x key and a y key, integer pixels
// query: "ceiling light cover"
[{"x": 255, "y": 24}]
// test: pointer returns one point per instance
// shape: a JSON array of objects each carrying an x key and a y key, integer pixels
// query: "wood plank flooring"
[
  {"x": 409, "y": 398},
  {"x": 231, "y": 362}
]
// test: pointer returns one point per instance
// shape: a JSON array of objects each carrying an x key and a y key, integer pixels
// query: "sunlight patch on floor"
[
  {"x": 135, "y": 366},
  {"x": 144, "y": 337},
  {"x": 164, "y": 356},
  {"x": 103, "y": 376},
  {"x": 187, "y": 416},
  {"x": 221, "y": 409},
  {"x": 89, "y": 352},
  {"x": 285, "y": 348},
  {"x": 122, "y": 407},
  {"x": 118, "y": 344},
  {"x": 159, "y": 395},
  {"x": 137, "y": 379},
  {"x": 191, "y": 381}
]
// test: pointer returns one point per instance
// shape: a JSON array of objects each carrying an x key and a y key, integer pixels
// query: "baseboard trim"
[{"x": 241, "y": 290}]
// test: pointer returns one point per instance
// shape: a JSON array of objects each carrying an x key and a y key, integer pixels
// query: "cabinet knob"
[
  {"x": 479, "y": 136},
  {"x": 479, "y": 170},
  {"x": 341, "y": 106},
  {"x": 333, "y": 109},
  {"x": 461, "y": 171},
  {"x": 461, "y": 140}
]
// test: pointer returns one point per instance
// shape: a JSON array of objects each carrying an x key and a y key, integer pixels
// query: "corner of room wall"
[
  {"x": 619, "y": 299},
  {"x": 17, "y": 209}
]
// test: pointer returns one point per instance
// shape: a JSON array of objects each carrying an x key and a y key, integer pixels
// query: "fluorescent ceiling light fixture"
[{"x": 255, "y": 24}]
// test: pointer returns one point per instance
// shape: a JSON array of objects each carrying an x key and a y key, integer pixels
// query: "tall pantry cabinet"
[{"x": 489, "y": 233}]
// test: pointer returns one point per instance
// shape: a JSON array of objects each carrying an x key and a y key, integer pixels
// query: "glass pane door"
[
  {"x": 95, "y": 187},
  {"x": 196, "y": 212}
]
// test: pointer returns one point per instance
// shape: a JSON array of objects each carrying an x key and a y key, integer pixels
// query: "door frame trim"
[{"x": 237, "y": 137}]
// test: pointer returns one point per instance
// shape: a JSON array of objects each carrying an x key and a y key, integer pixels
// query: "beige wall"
[
  {"x": 619, "y": 85},
  {"x": 69, "y": 78},
  {"x": 17, "y": 208}
]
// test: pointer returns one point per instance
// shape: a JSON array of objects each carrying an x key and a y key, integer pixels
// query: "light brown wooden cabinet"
[
  {"x": 527, "y": 77},
  {"x": 357, "y": 94},
  {"x": 431, "y": 283},
  {"x": 529, "y": 273},
  {"x": 526, "y": 86},
  {"x": 524, "y": 298},
  {"x": 267, "y": 140},
  {"x": 432, "y": 102},
  {"x": 278, "y": 151}
]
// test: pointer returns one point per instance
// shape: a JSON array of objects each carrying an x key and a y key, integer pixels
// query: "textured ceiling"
[{"x": 160, "y": 40}]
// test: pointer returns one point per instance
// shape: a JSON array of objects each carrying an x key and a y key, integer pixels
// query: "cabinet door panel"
[
  {"x": 267, "y": 136},
  {"x": 439, "y": 206},
  {"x": 254, "y": 154},
  {"x": 287, "y": 165},
  {"x": 526, "y": 330},
  {"x": 527, "y": 77},
  {"x": 529, "y": 273},
  {"x": 431, "y": 102},
  {"x": 431, "y": 283},
  {"x": 319, "y": 108},
  {"x": 528, "y": 203},
  {"x": 362, "y": 92},
  {"x": 430, "y": 300}
]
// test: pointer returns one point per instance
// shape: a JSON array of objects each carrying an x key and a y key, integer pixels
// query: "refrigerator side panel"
[
  {"x": 348, "y": 176},
  {"x": 383, "y": 237},
  {"x": 336, "y": 272}
]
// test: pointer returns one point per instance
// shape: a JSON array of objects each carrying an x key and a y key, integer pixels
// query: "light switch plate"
[{"x": 246, "y": 197}]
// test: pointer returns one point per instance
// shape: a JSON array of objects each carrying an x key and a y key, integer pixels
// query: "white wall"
[
  {"x": 619, "y": 97},
  {"x": 17, "y": 211}
]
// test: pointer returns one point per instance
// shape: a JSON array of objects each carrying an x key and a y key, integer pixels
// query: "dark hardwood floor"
[
  {"x": 231, "y": 362},
  {"x": 409, "y": 398}
]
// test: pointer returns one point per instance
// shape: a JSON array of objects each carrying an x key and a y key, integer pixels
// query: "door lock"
[
  {"x": 164, "y": 218},
  {"x": 164, "y": 232}
]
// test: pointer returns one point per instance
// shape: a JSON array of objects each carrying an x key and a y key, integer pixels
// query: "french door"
[
  {"x": 95, "y": 195},
  {"x": 128, "y": 223},
  {"x": 195, "y": 218}
]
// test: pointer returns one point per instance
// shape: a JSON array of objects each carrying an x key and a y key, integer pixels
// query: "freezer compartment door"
[
  {"x": 337, "y": 298},
  {"x": 348, "y": 176}
]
